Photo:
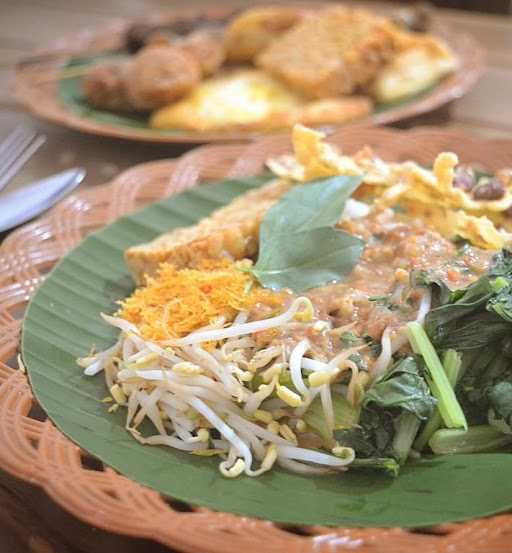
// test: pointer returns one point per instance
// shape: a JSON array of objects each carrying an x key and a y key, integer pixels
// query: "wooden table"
[{"x": 29, "y": 521}]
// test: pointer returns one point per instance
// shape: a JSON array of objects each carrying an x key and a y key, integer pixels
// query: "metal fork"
[{"x": 15, "y": 150}]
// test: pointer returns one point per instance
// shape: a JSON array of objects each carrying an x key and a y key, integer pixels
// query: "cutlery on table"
[
  {"x": 15, "y": 150},
  {"x": 23, "y": 204}
]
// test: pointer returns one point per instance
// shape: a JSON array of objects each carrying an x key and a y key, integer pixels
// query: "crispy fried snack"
[
  {"x": 253, "y": 30},
  {"x": 160, "y": 74},
  {"x": 156, "y": 76},
  {"x": 206, "y": 46},
  {"x": 331, "y": 53},
  {"x": 104, "y": 86},
  {"x": 231, "y": 231},
  {"x": 332, "y": 111},
  {"x": 421, "y": 61}
]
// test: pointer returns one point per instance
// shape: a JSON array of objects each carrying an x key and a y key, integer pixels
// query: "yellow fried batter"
[
  {"x": 254, "y": 29},
  {"x": 331, "y": 53}
]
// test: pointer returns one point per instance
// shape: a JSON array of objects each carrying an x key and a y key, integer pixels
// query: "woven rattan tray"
[
  {"x": 34, "y": 450},
  {"x": 36, "y": 80}
]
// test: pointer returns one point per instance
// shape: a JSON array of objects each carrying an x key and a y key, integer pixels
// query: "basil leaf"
[
  {"x": 299, "y": 246},
  {"x": 308, "y": 206},
  {"x": 312, "y": 258}
]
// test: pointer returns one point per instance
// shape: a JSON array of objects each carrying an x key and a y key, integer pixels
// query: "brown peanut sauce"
[{"x": 378, "y": 293}]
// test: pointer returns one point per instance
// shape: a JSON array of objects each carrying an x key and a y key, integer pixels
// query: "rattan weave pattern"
[{"x": 34, "y": 450}]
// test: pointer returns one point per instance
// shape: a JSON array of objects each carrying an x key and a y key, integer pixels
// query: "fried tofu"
[
  {"x": 332, "y": 53},
  {"x": 231, "y": 232},
  {"x": 254, "y": 29}
]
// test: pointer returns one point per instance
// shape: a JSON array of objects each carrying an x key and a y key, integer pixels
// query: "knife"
[{"x": 21, "y": 205}]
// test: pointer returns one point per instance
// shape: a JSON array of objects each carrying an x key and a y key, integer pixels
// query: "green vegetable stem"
[
  {"x": 449, "y": 408},
  {"x": 476, "y": 439},
  {"x": 452, "y": 364}
]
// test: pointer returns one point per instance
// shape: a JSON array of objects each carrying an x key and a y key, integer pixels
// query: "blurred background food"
[{"x": 268, "y": 67}]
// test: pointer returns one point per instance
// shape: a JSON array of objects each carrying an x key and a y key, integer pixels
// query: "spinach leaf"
[
  {"x": 475, "y": 316},
  {"x": 403, "y": 387},
  {"x": 387, "y": 465},
  {"x": 477, "y": 322},
  {"x": 348, "y": 338},
  {"x": 501, "y": 304},
  {"x": 373, "y": 437},
  {"x": 299, "y": 246},
  {"x": 345, "y": 415},
  {"x": 500, "y": 400},
  {"x": 392, "y": 409}
]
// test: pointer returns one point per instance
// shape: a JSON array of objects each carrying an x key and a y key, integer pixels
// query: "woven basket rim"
[
  {"x": 35, "y": 84},
  {"x": 35, "y": 451}
]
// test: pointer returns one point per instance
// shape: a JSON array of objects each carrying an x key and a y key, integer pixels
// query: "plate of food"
[
  {"x": 225, "y": 75},
  {"x": 321, "y": 339}
]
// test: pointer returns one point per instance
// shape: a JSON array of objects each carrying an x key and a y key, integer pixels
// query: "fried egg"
[
  {"x": 250, "y": 99},
  {"x": 239, "y": 98}
]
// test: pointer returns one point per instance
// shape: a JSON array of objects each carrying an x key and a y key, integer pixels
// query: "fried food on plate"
[
  {"x": 206, "y": 46},
  {"x": 160, "y": 74},
  {"x": 231, "y": 232},
  {"x": 332, "y": 111},
  {"x": 255, "y": 28},
  {"x": 250, "y": 99},
  {"x": 422, "y": 62},
  {"x": 317, "y": 67},
  {"x": 245, "y": 98},
  {"x": 154, "y": 77},
  {"x": 331, "y": 53},
  {"x": 104, "y": 86}
]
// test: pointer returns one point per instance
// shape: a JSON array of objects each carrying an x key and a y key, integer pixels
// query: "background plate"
[{"x": 38, "y": 88}]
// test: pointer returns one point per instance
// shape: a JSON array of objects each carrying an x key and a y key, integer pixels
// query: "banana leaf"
[{"x": 63, "y": 322}]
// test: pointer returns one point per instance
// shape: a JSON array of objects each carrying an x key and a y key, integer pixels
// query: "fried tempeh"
[
  {"x": 231, "y": 231},
  {"x": 331, "y": 53}
]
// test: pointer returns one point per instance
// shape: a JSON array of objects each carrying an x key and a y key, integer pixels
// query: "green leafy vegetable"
[
  {"x": 403, "y": 387},
  {"x": 477, "y": 322},
  {"x": 449, "y": 407},
  {"x": 345, "y": 416},
  {"x": 373, "y": 436},
  {"x": 477, "y": 315},
  {"x": 360, "y": 363},
  {"x": 348, "y": 338},
  {"x": 388, "y": 465},
  {"x": 452, "y": 364},
  {"x": 476, "y": 439},
  {"x": 500, "y": 400},
  {"x": 374, "y": 346},
  {"x": 392, "y": 410},
  {"x": 407, "y": 428},
  {"x": 299, "y": 246}
]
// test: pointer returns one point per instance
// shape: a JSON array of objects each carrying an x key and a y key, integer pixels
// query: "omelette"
[{"x": 251, "y": 99}]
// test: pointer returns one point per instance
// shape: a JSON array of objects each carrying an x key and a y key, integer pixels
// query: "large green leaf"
[
  {"x": 62, "y": 322},
  {"x": 299, "y": 246}
]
